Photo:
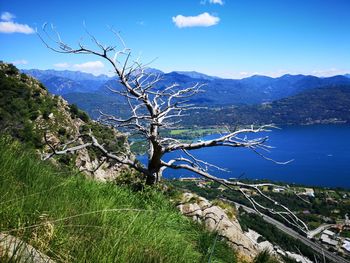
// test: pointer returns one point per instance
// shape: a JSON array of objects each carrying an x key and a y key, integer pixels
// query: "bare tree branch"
[{"x": 153, "y": 108}]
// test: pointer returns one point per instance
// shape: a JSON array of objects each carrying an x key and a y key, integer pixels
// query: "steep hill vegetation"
[
  {"x": 28, "y": 112},
  {"x": 321, "y": 105},
  {"x": 72, "y": 219}
]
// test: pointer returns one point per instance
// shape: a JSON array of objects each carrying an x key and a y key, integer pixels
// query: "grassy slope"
[{"x": 73, "y": 219}]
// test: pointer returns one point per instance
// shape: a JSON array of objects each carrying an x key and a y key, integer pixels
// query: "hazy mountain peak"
[
  {"x": 69, "y": 74},
  {"x": 257, "y": 76},
  {"x": 196, "y": 75}
]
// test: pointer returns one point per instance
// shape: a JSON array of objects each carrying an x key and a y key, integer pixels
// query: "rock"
[
  {"x": 19, "y": 251},
  {"x": 274, "y": 249},
  {"x": 104, "y": 172},
  {"x": 298, "y": 258},
  {"x": 265, "y": 245},
  {"x": 193, "y": 210},
  {"x": 62, "y": 120},
  {"x": 215, "y": 219}
]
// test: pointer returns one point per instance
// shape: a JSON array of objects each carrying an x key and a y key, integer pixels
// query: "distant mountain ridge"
[
  {"x": 196, "y": 75},
  {"x": 250, "y": 90},
  {"x": 62, "y": 82},
  {"x": 69, "y": 74},
  {"x": 92, "y": 93},
  {"x": 315, "y": 106}
]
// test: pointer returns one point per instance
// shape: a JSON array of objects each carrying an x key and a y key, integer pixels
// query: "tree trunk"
[
  {"x": 153, "y": 178},
  {"x": 154, "y": 165}
]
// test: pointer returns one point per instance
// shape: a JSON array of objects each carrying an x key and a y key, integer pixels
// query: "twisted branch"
[{"x": 154, "y": 107}]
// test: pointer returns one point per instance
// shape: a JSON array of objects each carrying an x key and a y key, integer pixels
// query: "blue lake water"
[{"x": 321, "y": 156}]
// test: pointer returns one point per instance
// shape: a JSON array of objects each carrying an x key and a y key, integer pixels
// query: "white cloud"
[
  {"x": 243, "y": 74},
  {"x": 329, "y": 72},
  {"x": 20, "y": 62},
  {"x": 278, "y": 73},
  {"x": 12, "y": 27},
  {"x": 93, "y": 67},
  {"x": 219, "y": 2},
  {"x": 7, "y": 16},
  {"x": 8, "y": 26},
  {"x": 89, "y": 66},
  {"x": 61, "y": 65},
  {"x": 202, "y": 20}
]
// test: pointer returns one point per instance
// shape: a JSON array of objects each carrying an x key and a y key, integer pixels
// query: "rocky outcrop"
[
  {"x": 62, "y": 120},
  {"x": 221, "y": 220},
  {"x": 274, "y": 249},
  {"x": 72, "y": 127},
  {"x": 216, "y": 218},
  {"x": 19, "y": 251},
  {"x": 108, "y": 171}
]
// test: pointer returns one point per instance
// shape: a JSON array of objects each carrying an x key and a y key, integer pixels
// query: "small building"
[
  {"x": 309, "y": 192},
  {"x": 329, "y": 233},
  {"x": 346, "y": 245},
  {"x": 278, "y": 189},
  {"x": 329, "y": 241},
  {"x": 201, "y": 184}
]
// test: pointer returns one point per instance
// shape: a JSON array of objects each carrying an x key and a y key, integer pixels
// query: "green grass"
[
  {"x": 194, "y": 132},
  {"x": 73, "y": 219},
  {"x": 179, "y": 131}
]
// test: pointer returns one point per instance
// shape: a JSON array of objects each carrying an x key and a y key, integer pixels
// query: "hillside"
[
  {"x": 322, "y": 105},
  {"x": 72, "y": 219},
  {"x": 28, "y": 112}
]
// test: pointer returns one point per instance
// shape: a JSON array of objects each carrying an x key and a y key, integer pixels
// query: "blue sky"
[{"x": 227, "y": 38}]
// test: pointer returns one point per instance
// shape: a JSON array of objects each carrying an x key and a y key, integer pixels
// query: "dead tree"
[{"x": 153, "y": 109}]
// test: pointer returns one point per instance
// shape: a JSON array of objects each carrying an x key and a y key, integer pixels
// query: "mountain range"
[
  {"x": 324, "y": 105},
  {"x": 248, "y": 94},
  {"x": 65, "y": 81}
]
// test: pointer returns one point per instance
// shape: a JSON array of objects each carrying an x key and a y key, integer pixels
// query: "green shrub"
[
  {"x": 62, "y": 131},
  {"x": 261, "y": 239},
  {"x": 46, "y": 114},
  {"x": 11, "y": 70},
  {"x": 83, "y": 116},
  {"x": 265, "y": 257}
]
